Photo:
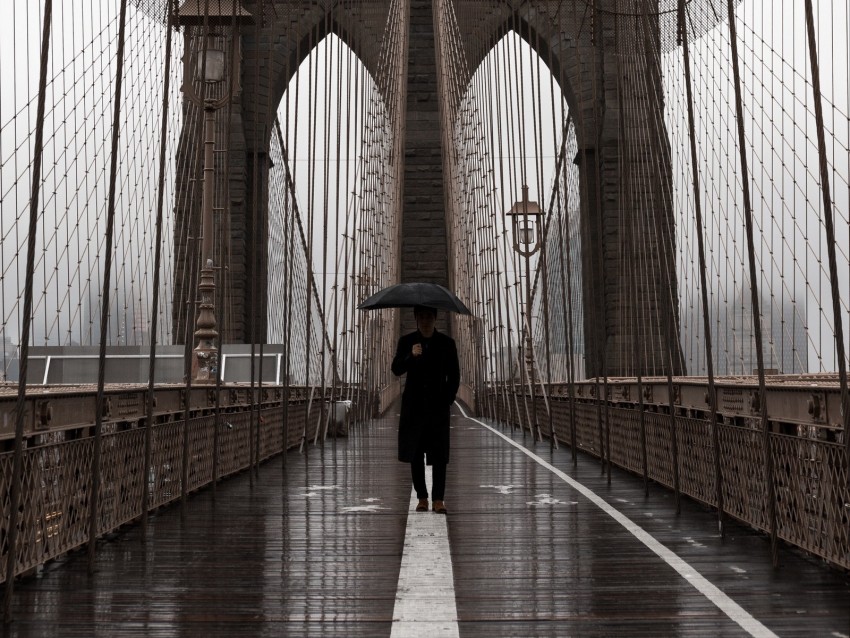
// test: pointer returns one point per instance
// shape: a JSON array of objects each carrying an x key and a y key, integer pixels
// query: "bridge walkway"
[{"x": 324, "y": 544}]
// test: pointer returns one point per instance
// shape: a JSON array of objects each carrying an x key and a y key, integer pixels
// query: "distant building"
[
  {"x": 128, "y": 321},
  {"x": 784, "y": 338},
  {"x": 9, "y": 365}
]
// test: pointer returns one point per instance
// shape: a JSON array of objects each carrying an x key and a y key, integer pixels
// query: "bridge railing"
[
  {"x": 190, "y": 450},
  {"x": 809, "y": 473},
  {"x": 388, "y": 395}
]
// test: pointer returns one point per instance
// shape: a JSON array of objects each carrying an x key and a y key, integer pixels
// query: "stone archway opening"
[
  {"x": 331, "y": 214},
  {"x": 514, "y": 141}
]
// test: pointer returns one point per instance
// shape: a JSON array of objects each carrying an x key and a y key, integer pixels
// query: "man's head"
[{"x": 426, "y": 319}]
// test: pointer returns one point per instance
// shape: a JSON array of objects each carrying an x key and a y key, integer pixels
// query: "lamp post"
[
  {"x": 525, "y": 221},
  {"x": 206, "y": 62}
]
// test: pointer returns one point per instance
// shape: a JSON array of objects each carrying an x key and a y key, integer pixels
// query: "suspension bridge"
[{"x": 646, "y": 206}]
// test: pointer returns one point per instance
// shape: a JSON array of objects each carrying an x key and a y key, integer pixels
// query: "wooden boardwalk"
[{"x": 313, "y": 547}]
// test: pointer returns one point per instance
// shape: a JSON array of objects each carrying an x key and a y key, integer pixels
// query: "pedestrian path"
[
  {"x": 425, "y": 598},
  {"x": 326, "y": 543}
]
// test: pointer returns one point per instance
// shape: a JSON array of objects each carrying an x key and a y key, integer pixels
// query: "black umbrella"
[{"x": 415, "y": 294}]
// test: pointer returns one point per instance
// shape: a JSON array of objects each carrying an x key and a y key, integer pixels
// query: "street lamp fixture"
[
  {"x": 205, "y": 63},
  {"x": 525, "y": 219}
]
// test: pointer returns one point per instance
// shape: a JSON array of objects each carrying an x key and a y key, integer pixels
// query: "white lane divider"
[
  {"x": 425, "y": 599},
  {"x": 728, "y": 606}
]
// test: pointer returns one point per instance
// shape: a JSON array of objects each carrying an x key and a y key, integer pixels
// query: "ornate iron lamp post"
[
  {"x": 207, "y": 63},
  {"x": 526, "y": 219}
]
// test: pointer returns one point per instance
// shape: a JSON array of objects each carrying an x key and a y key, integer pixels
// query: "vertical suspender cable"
[
  {"x": 628, "y": 201},
  {"x": 748, "y": 218},
  {"x": 336, "y": 380},
  {"x": 530, "y": 280},
  {"x": 712, "y": 391},
  {"x": 163, "y": 147},
  {"x": 222, "y": 307},
  {"x": 309, "y": 252},
  {"x": 326, "y": 168},
  {"x": 283, "y": 290},
  {"x": 567, "y": 297},
  {"x": 94, "y": 497},
  {"x": 655, "y": 88},
  {"x": 582, "y": 158},
  {"x": 510, "y": 255},
  {"x": 528, "y": 341},
  {"x": 288, "y": 230},
  {"x": 597, "y": 75},
  {"x": 501, "y": 399},
  {"x": 328, "y": 357},
  {"x": 545, "y": 387},
  {"x": 830, "y": 242},
  {"x": 188, "y": 354},
  {"x": 206, "y": 249},
  {"x": 259, "y": 305},
  {"x": 20, "y": 404},
  {"x": 289, "y": 274},
  {"x": 498, "y": 402},
  {"x": 511, "y": 398},
  {"x": 254, "y": 417},
  {"x": 349, "y": 296}
]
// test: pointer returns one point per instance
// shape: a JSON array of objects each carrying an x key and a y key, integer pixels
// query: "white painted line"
[
  {"x": 425, "y": 599},
  {"x": 728, "y": 606}
]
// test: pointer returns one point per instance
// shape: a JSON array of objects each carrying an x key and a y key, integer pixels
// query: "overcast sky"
[{"x": 779, "y": 124}]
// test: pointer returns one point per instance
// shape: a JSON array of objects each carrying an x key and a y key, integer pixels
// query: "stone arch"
[
  {"x": 282, "y": 36},
  {"x": 581, "y": 53},
  {"x": 290, "y": 48},
  {"x": 538, "y": 43}
]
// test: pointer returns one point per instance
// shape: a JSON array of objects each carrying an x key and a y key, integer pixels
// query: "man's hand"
[{"x": 417, "y": 350}]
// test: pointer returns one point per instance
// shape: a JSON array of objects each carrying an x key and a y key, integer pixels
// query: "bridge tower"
[{"x": 578, "y": 42}]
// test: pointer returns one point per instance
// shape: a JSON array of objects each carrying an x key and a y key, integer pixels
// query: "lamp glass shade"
[
  {"x": 525, "y": 232},
  {"x": 214, "y": 70}
]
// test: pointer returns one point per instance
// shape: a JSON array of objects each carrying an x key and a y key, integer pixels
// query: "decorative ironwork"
[{"x": 809, "y": 476}]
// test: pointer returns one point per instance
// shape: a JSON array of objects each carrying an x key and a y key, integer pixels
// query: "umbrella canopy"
[{"x": 415, "y": 294}]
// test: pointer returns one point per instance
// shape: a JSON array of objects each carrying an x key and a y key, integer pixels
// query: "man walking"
[{"x": 429, "y": 358}]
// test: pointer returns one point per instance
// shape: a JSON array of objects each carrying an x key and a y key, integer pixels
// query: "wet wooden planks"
[
  {"x": 314, "y": 549},
  {"x": 533, "y": 557},
  {"x": 279, "y": 554}
]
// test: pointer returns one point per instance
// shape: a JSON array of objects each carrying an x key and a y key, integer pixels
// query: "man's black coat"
[{"x": 432, "y": 382}]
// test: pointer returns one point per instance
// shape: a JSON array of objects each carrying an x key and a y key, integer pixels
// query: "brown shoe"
[
  {"x": 422, "y": 506},
  {"x": 440, "y": 507}
]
